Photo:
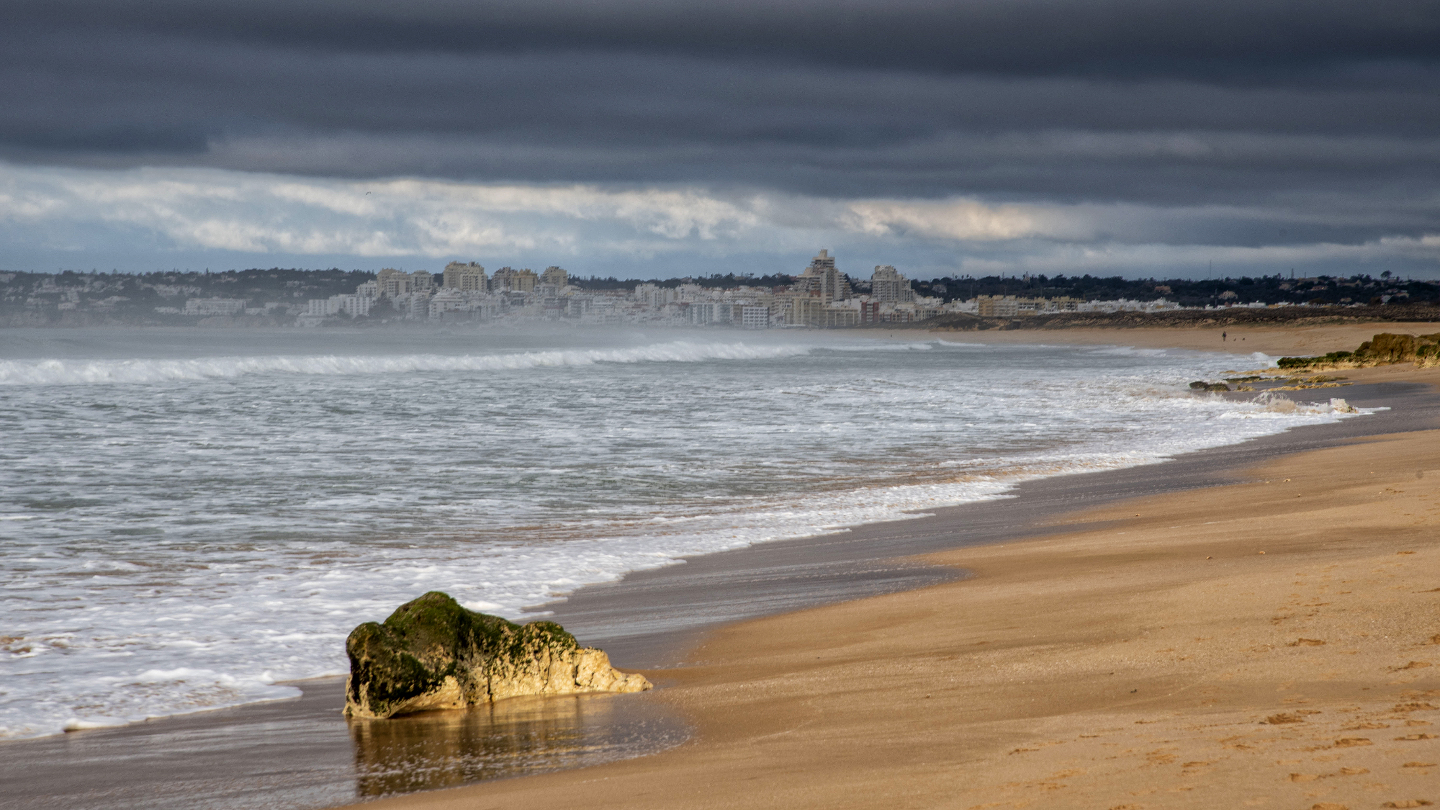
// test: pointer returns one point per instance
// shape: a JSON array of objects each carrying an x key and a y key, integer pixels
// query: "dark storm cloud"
[
  {"x": 1036, "y": 36},
  {"x": 1323, "y": 114}
]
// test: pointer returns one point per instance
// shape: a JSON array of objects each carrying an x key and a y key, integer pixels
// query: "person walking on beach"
[{"x": 1222, "y": 337}]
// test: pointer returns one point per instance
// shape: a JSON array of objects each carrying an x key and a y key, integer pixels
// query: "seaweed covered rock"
[
  {"x": 432, "y": 653},
  {"x": 1384, "y": 349},
  {"x": 1201, "y": 385},
  {"x": 1387, "y": 348}
]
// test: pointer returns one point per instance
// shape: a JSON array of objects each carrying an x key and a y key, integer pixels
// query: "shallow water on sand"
[{"x": 294, "y": 755}]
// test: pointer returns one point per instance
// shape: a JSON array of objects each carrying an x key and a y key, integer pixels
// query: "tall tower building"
[
  {"x": 888, "y": 285},
  {"x": 823, "y": 279}
]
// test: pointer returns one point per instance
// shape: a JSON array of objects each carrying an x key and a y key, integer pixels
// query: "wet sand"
[
  {"x": 825, "y": 706},
  {"x": 302, "y": 753},
  {"x": 1256, "y": 626}
]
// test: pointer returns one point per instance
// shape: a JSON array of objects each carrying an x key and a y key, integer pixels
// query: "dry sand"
[{"x": 1273, "y": 643}]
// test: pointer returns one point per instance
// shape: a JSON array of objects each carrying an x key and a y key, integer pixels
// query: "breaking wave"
[{"x": 90, "y": 372}]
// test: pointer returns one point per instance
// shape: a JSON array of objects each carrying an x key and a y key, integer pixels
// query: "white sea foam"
[
  {"x": 183, "y": 542},
  {"x": 1130, "y": 351},
  {"x": 881, "y": 346},
  {"x": 81, "y": 372}
]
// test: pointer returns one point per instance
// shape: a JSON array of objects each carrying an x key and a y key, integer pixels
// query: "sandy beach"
[
  {"x": 1269, "y": 642},
  {"x": 1252, "y": 625},
  {"x": 1271, "y": 340}
]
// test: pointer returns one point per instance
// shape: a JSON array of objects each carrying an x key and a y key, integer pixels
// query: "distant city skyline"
[{"x": 822, "y": 295}]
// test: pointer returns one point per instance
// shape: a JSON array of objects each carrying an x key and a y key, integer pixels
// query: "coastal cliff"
[{"x": 432, "y": 653}]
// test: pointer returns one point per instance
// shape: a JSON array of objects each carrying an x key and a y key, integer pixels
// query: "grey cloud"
[
  {"x": 1250, "y": 123},
  {"x": 622, "y": 117},
  {"x": 975, "y": 35}
]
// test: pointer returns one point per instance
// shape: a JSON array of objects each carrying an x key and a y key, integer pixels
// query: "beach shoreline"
[
  {"x": 792, "y": 577},
  {"x": 1001, "y": 690}
]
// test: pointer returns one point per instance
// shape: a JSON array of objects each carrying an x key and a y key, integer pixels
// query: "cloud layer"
[
  {"x": 660, "y": 123},
  {"x": 84, "y": 218}
]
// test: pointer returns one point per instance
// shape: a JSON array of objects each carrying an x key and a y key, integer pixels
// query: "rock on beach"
[{"x": 432, "y": 653}]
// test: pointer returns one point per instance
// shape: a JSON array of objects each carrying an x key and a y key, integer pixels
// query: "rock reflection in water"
[{"x": 511, "y": 737}]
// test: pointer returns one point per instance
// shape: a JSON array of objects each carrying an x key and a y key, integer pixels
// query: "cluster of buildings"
[
  {"x": 821, "y": 296},
  {"x": 1011, "y": 306}
]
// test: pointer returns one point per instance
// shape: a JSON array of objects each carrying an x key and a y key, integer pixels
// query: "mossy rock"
[
  {"x": 433, "y": 653},
  {"x": 1201, "y": 385},
  {"x": 1384, "y": 349}
]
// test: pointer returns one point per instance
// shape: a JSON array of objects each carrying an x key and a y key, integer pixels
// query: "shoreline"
[
  {"x": 823, "y": 707},
  {"x": 870, "y": 560}
]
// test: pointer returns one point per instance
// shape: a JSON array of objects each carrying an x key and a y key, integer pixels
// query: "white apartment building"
[
  {"x": 888, "y": 286},
  {"x": 754, "y": 316},
  {"x": 702, "y": 313},
  {"x": 353, "y": 305},
  {"x": 450, "y": 299},
  {"x": 653, "y": 296}
]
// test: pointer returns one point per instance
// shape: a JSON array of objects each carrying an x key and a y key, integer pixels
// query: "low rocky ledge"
[{"x": 432, "y": 653}]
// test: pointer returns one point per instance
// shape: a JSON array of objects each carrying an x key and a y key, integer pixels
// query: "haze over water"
[{"x": 188, "y": 516}]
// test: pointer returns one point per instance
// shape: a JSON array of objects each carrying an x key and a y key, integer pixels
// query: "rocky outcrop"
[
  {"x": 432, "y": 653},
  {"x": 1388, "y": 348},
  {"x": 1201, "y": 385},
  {"x": 1382, "y": 350}
]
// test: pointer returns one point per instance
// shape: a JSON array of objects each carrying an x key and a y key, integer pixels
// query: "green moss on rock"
[
  {"x": 1384, "y": 349},
  {"x": 432, "y": 653}
]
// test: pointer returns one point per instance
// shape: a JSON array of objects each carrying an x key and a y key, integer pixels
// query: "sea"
[{"x": 190, "y": 518}]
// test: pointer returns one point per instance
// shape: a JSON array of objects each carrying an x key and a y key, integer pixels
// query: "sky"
[{"x": 664, "y": 138}]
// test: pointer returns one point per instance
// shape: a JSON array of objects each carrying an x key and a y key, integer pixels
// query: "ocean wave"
[
  {"x": 878, "y": 346},
  {"x": 1130, "y": 351},
  {"x": 131, "y": 371}
]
